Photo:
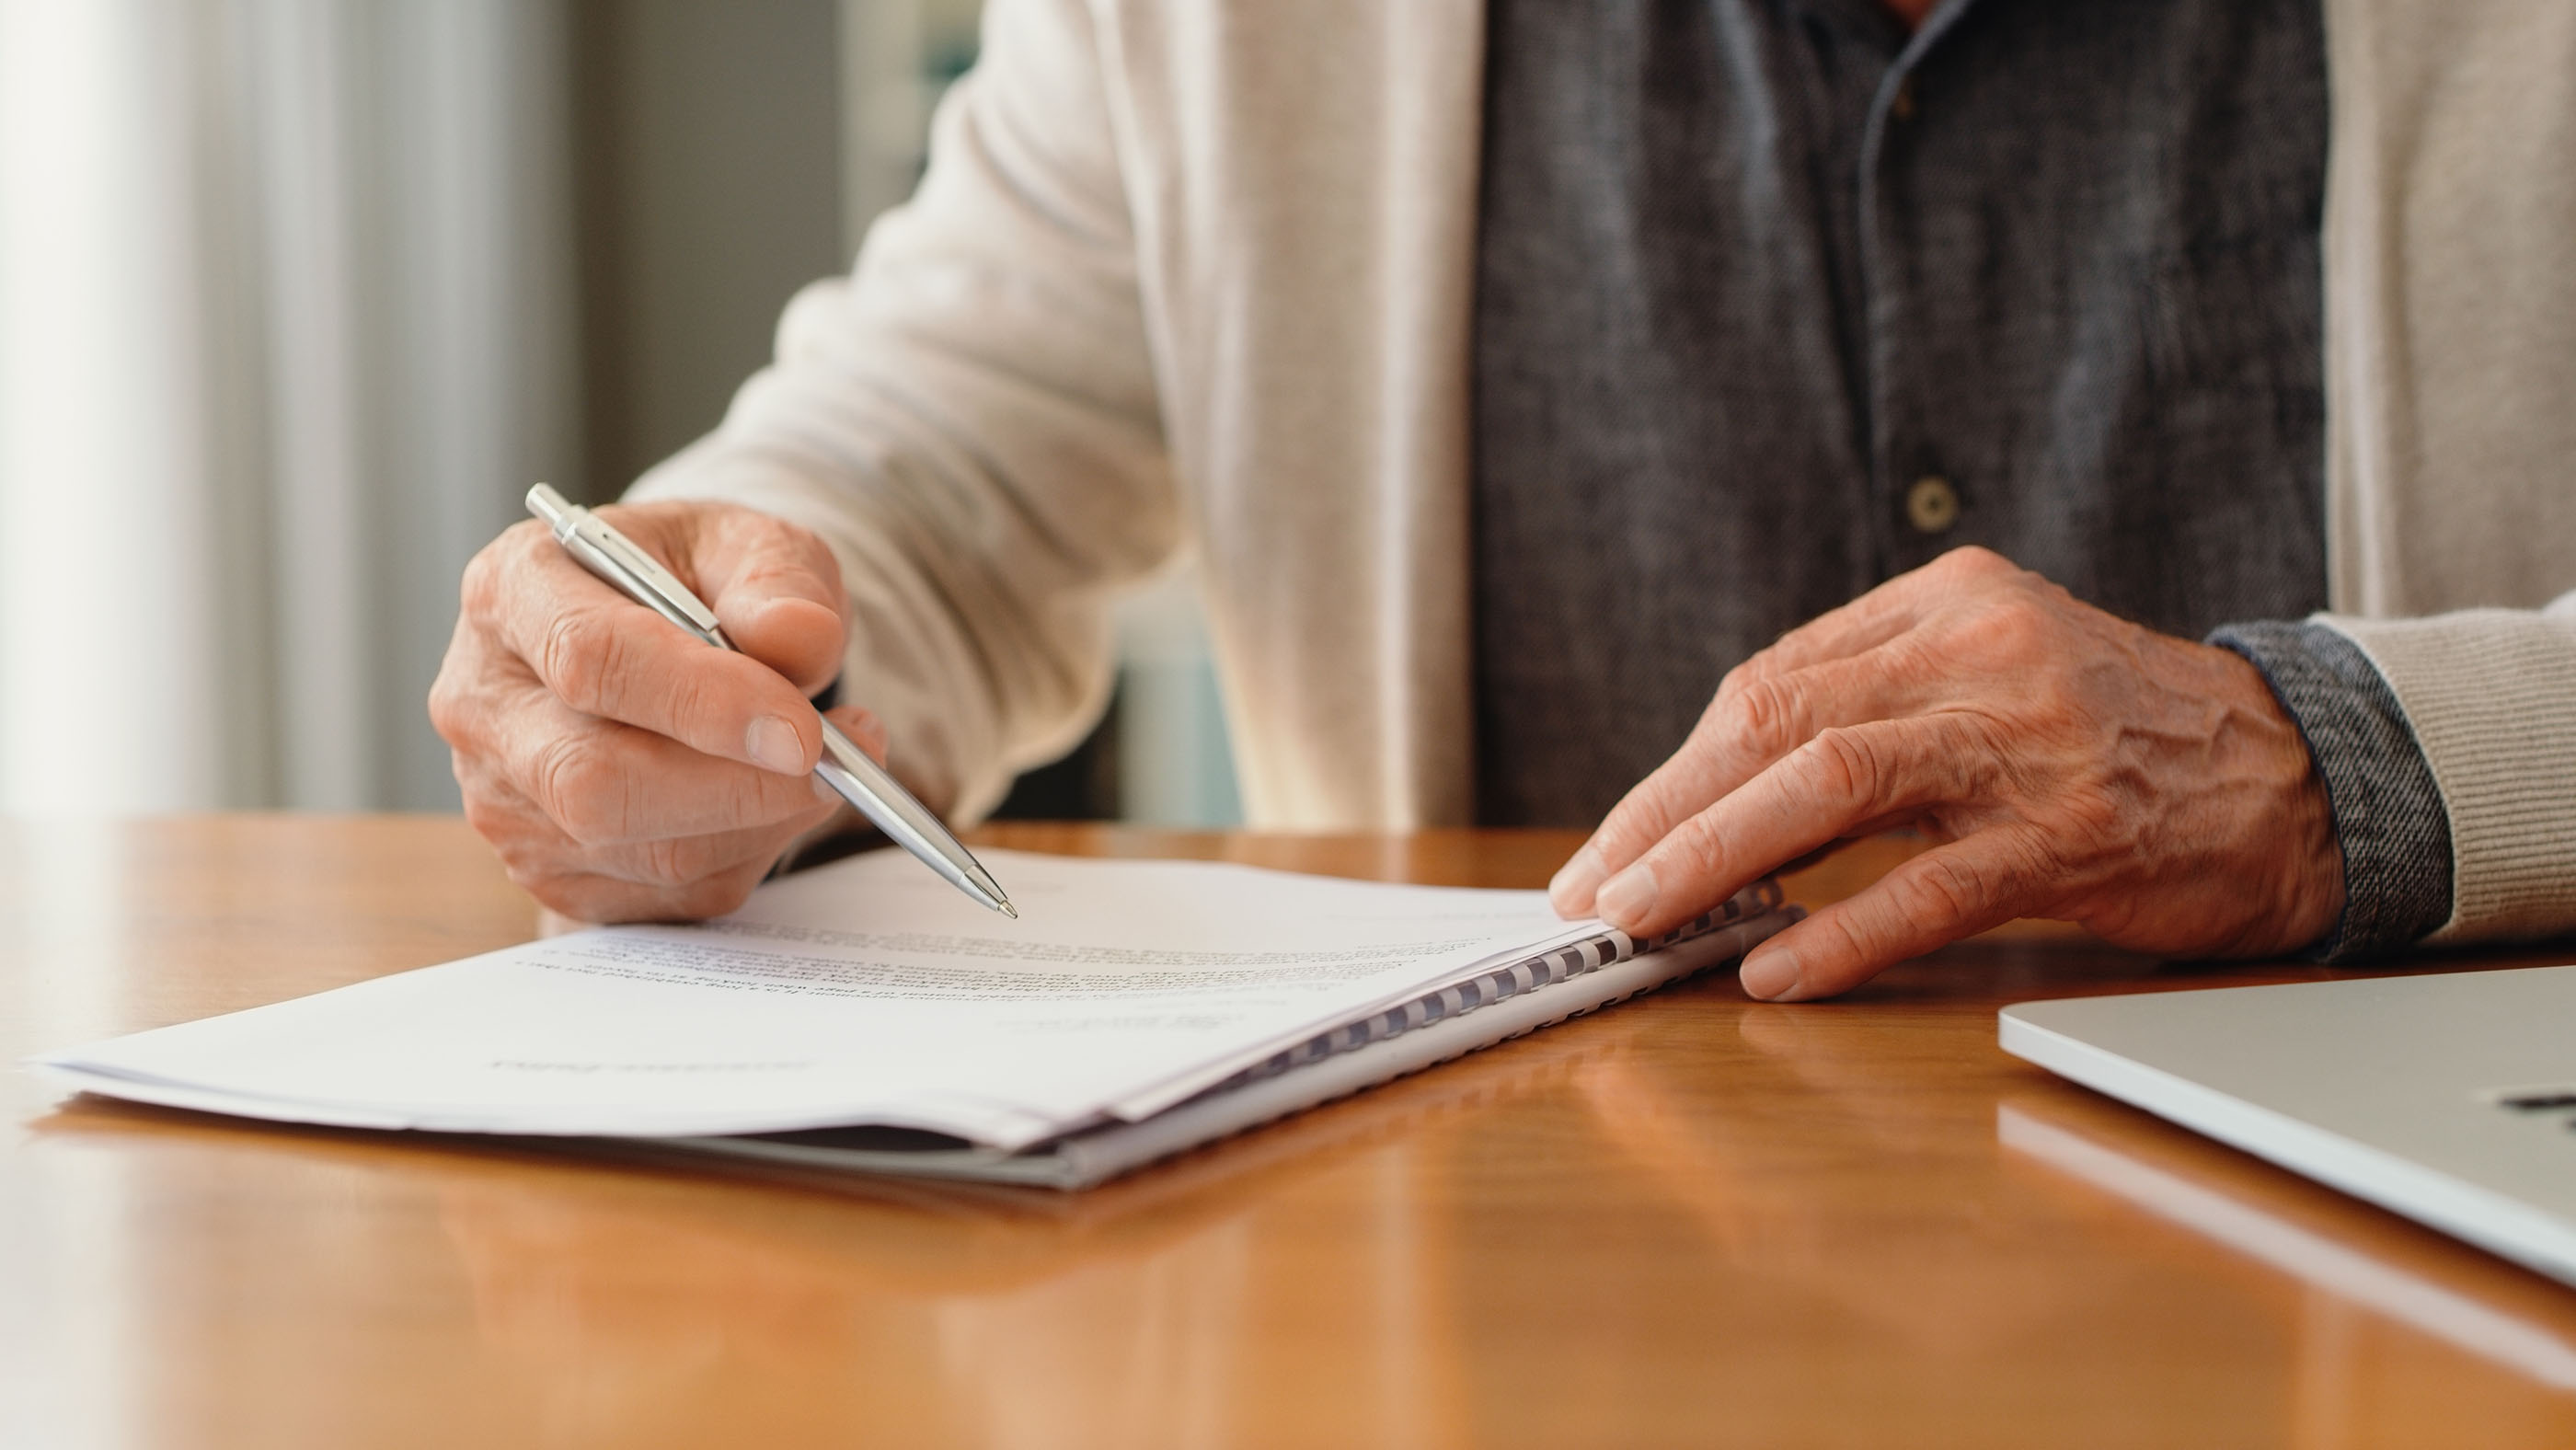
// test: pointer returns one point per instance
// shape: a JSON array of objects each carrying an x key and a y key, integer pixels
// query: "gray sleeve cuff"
[{"x": 2388, "y": 813}]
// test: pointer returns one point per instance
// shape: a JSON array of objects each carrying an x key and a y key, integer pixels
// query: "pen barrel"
[{"x": 910, "y": 824}]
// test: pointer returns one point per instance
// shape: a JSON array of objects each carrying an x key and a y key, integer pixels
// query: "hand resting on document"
[
  {"x": 624, "y": 770},
  {"x": 2073, "y": 766}
]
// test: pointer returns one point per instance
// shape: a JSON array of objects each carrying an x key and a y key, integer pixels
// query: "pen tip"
[{"x": 1010, "y": 911}]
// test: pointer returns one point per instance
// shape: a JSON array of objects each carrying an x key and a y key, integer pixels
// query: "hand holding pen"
[{"x": 624, "y": 769}]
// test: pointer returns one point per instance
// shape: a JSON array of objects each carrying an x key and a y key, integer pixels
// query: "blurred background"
[{"x": 297, "y": 297}]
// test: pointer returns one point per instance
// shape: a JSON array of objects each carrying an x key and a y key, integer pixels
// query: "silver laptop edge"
[{"x": 2506, "y": 1225}]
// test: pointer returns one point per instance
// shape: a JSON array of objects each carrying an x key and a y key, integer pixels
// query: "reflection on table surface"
[{"x": 1689, "y": 1220}]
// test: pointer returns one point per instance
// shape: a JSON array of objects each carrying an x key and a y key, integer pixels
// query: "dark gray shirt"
[{"x": 1776, "y": 300}]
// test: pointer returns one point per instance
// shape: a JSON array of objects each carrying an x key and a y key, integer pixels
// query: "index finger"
[
  {"x": 1747, "y": 729},
  {"x": 775, "y": 586},
  {"x": 607, "y": 656},
  {"x": 1926, "y": 903},
  {"x": 1829, "y": 788}
]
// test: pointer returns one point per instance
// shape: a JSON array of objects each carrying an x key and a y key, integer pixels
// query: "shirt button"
[
  {"x": 1901, "y": 105},
  {"x": 1932, "y": 505}
]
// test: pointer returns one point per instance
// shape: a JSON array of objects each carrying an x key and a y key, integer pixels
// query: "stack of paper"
[{"x": 1135, "y": 1008}]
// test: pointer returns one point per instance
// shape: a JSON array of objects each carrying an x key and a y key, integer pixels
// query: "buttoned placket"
[{"x": 1921, "y": 505}]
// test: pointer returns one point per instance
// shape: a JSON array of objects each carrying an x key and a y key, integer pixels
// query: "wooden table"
[{"x": 1692, "y": 1220}]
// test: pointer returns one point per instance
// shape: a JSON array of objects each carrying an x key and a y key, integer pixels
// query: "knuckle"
[
  {"x": 1696, "y": 850},
  {"x": 1976, "y": 561},
  {"x": 2018, "y": 628},
  {"x": 489, "y": 814},
  {"x": 1843, "y": 764},
  {"x": 532, "y": 854},
  {"x": 532, "y": 871},
  {"x": 479, "y": 591},
  {"x": 462, "y": 706},
  {"x": 718, "y": 894},
  {"x": 475, "y": 590},
  {"x": 1855, "y": 938},
  {"x": 578, "y": 783},
  {"x": 1947, "y": 887},
  {"x": 450, "y": 708},
  {"x": 483, "y": 590},
  {"x": 677, "y": 861},
  {"x": 1731, "y": 687},
  {"x": 1767, "y": 715},
  {"x": 571, "y": 894},
  {"x": 579, "y": 659}
]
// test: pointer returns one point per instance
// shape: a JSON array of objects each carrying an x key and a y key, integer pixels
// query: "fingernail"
[
  {"x": 1628, "y": 898},
  {"x": 1576, "y": 881},
  {"x": 1770, "y": 976},
  {"x": 772, "y": 745}
]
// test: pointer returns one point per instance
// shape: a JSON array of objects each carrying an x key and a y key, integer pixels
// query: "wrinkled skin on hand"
[
  {"x": 2073, "y": 766},
  {"x": 624, "y": 770}
]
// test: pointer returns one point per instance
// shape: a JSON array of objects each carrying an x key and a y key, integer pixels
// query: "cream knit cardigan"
[{"x": 1195, "y": 274}]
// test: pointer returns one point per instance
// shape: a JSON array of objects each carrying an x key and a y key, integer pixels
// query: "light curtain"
[{"x": 286, "y": 328}]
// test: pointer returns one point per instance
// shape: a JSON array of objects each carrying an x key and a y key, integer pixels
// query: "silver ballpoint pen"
[{"x": 844, "y": 767}]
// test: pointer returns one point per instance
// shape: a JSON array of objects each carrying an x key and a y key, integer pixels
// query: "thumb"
[{"x": 777, "y": 590}]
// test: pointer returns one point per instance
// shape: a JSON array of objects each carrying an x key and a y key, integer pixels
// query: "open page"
[{"x": 867, "y": 991}]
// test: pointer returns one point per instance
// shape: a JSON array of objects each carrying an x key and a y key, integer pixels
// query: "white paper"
[{"x": 868, "y": 991}]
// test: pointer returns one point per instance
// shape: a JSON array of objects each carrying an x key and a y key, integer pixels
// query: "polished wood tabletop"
[{"x": 1690, "y": 1220}]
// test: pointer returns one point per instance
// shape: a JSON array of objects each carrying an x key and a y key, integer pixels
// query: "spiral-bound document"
[{"x": 863, "y": 1016}]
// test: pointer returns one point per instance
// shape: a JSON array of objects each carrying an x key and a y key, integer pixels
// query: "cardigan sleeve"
[
  {"x": 970, "y": 421},
  {"x": 2388, "y": 818},
  {"x": 2491, "y": 696}
]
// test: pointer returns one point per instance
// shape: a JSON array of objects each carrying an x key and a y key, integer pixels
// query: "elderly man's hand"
[
  {"x": 624, "y": 770},
  {"x": 2073, "y": 766}
]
